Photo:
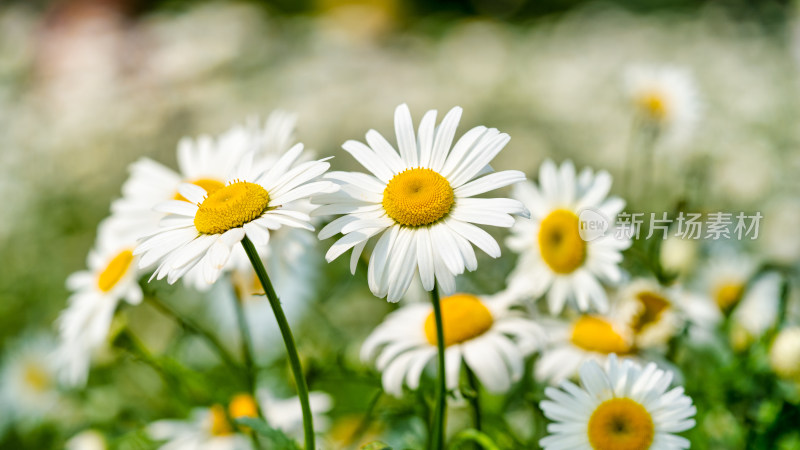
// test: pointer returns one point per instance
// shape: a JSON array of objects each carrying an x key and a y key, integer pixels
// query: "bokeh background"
[{"x": 89, "y": 86}]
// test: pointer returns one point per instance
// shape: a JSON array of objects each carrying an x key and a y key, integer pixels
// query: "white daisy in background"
[
  {"x": 583, "y": 338},
  {"x": 112, "y": 276},
  {"x": 622, "y": 407},
  {"x": 28, "y": 382},
  {"x": 206, "y": 162},
  {"x": 784, "y": 353},
  {"x": 724, "y": 277},
  {"x": 420, "y": 201},
  {"x": 87, "y": 440},
  {"x": 203, "y": 229},
  {"x": 758, "y": 310},
  {"x": 664, "y": 96},
  {"x": 490, "y": 338},
  {"x": 554, "y": 257},
  {"x": 210, "y": 428}
]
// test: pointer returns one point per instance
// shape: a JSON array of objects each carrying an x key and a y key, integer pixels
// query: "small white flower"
[
  {"x": 203, "y": 228},
  {"x": 664, "y": 96},
  {"x": 210, "y": 429},
  {"x": 623, "y": 406},
  {"x": 112, "y": 276},
  {"x": 554, "y": 257},
  {"x": 784, "y": 354},
  {"x": 758, "y": 310},
  {"x": 28, "y": 382},
  {"x": 87, "y": 440},
  {"x": 483, "y": 333},
  {"x": 420, "y": 201}
]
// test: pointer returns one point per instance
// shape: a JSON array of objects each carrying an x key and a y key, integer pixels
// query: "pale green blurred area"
[{"x": 85, "y": 93}]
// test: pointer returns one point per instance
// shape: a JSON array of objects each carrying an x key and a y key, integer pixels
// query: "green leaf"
[
  {"x": 273, "y": 435},
  {"x": 376, "y": 445}
]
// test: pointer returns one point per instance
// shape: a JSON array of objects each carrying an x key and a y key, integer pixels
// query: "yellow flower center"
[
  {"x": 728, "y": 295},
  {"x": 115, "y": 270},
  {"x": 598, "y": 335},
  {"x": 36, "y": 377},
  {"x": 621, "y": 424},
  {"x": 464, "y": 317},
  {"x": 219, "y": 422},
  {"x": 209, "y": 184},
  {"x": 653, "y": 305},
  {"x": 560, "y": 241},
  {"x": 653, "y": 104},
  {"x": 231, "y": 207},
  {"x": 243, "y": 405},
  {"x": 246, "y": 285},
  {"x": 417, "y": 197}
]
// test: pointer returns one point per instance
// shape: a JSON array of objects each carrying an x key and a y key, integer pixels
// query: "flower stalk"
[{"x": 437, "y": 428}]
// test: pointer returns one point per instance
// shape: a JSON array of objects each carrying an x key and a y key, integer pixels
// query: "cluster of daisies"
[{"x": 569, "y": 310}]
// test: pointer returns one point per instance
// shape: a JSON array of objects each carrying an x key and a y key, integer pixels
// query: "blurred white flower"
[
  {"x": 758, "y": 309},
  {"x": 678, "y": 255},
  {"x": 483, "y": 333},
  {"x": 724, "y": 277},
  {"x": 664, "y": 96},
  {"x": 111, "y": 276},
  {"x": 87, "y": 440},
  {"x": 784, "y": 354},
  {"x": 554, "y": 257},
  {"x": 28, "y": 382}
]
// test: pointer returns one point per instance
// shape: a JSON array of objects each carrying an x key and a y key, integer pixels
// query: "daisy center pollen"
[
  {"x": 464, "y": 317},
  {"x": 728, "y": 295},
  {"x": 652, "y": 306},
  {"x": 115, "y": 270},
  {"x": 36, "y": 377},
  {"x": 417, "y": 197},
  {"x": 219, "y": 422},
  {"x": 653, "y": 105},
  {"x": 231, "y": 207},
  {"x": 210, "y": 185},
  {"x": 598, "y": 335},
  {"x": 560, "y": 241},
  {"x": 620, "y": 424},
  {"x": 242, "y": 405}
]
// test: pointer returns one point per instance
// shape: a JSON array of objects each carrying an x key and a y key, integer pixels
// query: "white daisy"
[
  {"x": 112, "y": 276},
  {"x": 664, "y": 96},
  {"x": 28, "y": 382},
  {"x": 87, "y": 440},
  {"x": 784, "y": 354},
  {"x": 210, "y": 428},
  {"x": 420, "y": 203},
  {"x": 206, "y": 162},
  {"x": 573, "y": 342},
  {"x": 759, "y": 308},
  {"x": 554, "y": 257},
  {"x": 485, "y": 333},
  {"x": 622, "y": 407},
  {"x": 724, "y": 277},
  {"x": 204, "y": 230}
]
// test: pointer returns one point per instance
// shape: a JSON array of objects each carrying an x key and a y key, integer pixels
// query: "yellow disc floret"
[
  {"x": 653, "y": 305},
  {"x": 727, "y": 295},
  {"x": 209, "y": 184},
  {"x": 231, "y": 207},
  {"x": 598, "y": 335},
  {"x": 37, "y": 377},
  {"x": 653, "y": 105},
  {"x": 243, "y": 405},
  {"x": 621, "y": 424},
  {"x": 560, "y": 241},
  {"x": 115, "y": 270},
  {"x": 417, "y": 197},
  {"x": 219, "y": 422},
  {"x": 464, "y": 317}
]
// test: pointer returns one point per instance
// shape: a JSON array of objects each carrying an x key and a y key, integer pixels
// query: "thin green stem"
[
  {"x": 247, "y": 345},
  {"x": 288, "y": 340},
  {"x": 437, "y": 429},
  {"x": 475, "y": 398},
  {"x": 223, "y": 353}
]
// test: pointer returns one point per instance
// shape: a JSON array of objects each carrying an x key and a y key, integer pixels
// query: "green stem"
[
  {"x": 437, "y": 429},
  {"x": 247, "y": 345},
  {"x": 288, "y": 340},
  {"x": 474, "y": 399},
  {"x": 193, "y": 327}
]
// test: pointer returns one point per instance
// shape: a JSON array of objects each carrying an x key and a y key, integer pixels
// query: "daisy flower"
[
  {"x": 759, "y": 308},
  {"x": 622, "y": 407},
  {"x": 784, "y": 354},
  {"x": 664, "y": 96},
  {"x": 203, "y": 228},
  {"x": 584, "y": 338},
  {"x": 111, "y": 277},
  {"x": 725, "y": 276},
  {"x": 87, "y": 440},
  {"x": 206, "y": 162},
  {"x": 420, "y": 202},
  {"x": 28, "y": 381},
  {"x": 483, "y": 332},
  {"x": 210, "y": 428},
  {"x": 554, "y": 257}
]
